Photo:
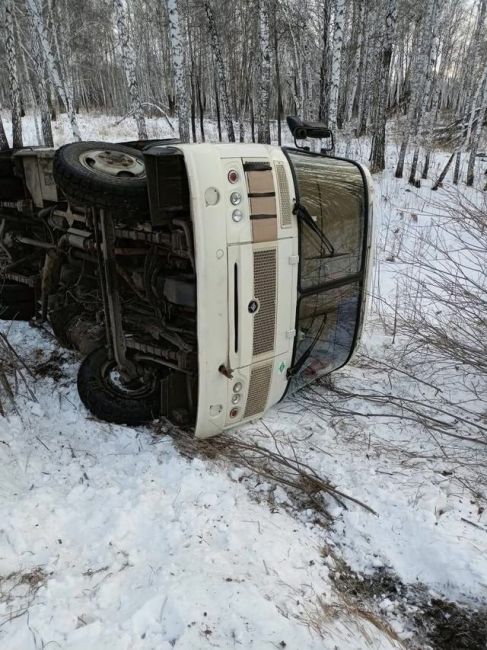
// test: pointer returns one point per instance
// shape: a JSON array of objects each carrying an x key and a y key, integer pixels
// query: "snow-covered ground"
[{"x": 110, "y": 538}]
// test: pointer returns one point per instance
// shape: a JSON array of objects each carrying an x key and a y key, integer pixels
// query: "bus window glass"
[{"x": 332, "y": 191}]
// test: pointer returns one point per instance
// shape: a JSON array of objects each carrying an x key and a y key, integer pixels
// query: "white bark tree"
[
  {"x": 220, "y": 70},
  {"x": 50, "y": 60},
  {"x": 419, "y": 76},
  {"x": 40, "y": 90},
  {"x": 263, "y": 129},
  {"x": 3, "y": 137},
  {"x": 476, "y": 128},
  {"x": 431, "y": 44},
  {"x": 379, "y": 136},
  {"x": 473, "y": 89},
  {"x": 129, "y": 66},
  {"x": 436, "y": 91},
  {"x": 369, "y": 57},
  {"x": 356, "y": 56},
  {"x": 13, "y": 76},
  {"x": 179, "y": 69},
  {"x": 336, "y": 61},
  {"x": 324, "y": 68}
]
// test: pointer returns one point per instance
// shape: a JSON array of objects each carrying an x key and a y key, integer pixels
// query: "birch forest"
[{"x": 394, "y": 71}]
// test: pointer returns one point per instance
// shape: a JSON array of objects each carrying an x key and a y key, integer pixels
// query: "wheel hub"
[
  {"x": 113, "y": 163},
  {"x": 131, "y": 388}
]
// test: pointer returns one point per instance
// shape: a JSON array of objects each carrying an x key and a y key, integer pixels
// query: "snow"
[
  {"x": 139, "y": 544},
  {"x": 140, "y": 547}
]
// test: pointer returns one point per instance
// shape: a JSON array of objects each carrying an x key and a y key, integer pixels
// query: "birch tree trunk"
[
  {"x": 368, "y": 58},
  {"x": 435, "y": 103},
  {"x": 220, "y": 70},
  {"x": 298, "y": 83},
  {"x": 379, "y": 140},
  {"x": 476, "y": 129},
  {"x": 443, "y": 174},
  {"x": 356, "y": 61},
  {"x": 470, "y": 91},
  {"x": 278, "y": 79},
  {"x": 473, "y": 90},
  {"x": 13, "y": 76},
  {"x": 3, "y": 137},
  {"x": 41, "y": 92},
  {"x": 129, "y": 66},
  {"x": 324, "y": 71},
  {"x": 179, "y": 69},
  {"x": 336, "y": 63},
  {"x": 263, "y": 129},
  {"x": 418, "y": 76},
  {"x": 428, "y": 88},
  {"x": 50, "y": 60}
]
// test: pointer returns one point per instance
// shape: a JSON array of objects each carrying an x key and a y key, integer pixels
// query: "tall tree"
[
  {"x": 358, "y": 29},
  {"x": 13, "y": 76},
  {"x": 3, "y": 137},
  {"x": 324, "y": 71},
  {"x": 263, "y": 129},
  {"x": 379, "y": 136},
  {"x": 179, "y": 69},
  {"x": 419, "y": 73},
  {"x": 336, "y": 61},
  {"x": 430, "y": 60},
  {"x": 220, "y": 70},
  {"x": 129, "y": 66},
  {"x": 40, "y": 88},
  {"x": 52, "y": 65},
  {"x": 476, "y": 127}
]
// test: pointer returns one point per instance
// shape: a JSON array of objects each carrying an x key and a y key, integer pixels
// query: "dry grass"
[
  {"x": 13, "y": 374},
  {"x": 320, "y": 616},
  {"x": 19, "y": 590},
  {"x": 272, "y": 459}
]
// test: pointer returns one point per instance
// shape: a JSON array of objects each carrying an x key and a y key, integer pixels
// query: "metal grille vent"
[
  {"x": 260, "y": 381},
  {"x": 265, "y": 270},
  {"x": 284, "y": 199}
]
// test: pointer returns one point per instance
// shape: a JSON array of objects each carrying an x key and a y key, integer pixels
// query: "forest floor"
[{"x": 126, "y": 538}]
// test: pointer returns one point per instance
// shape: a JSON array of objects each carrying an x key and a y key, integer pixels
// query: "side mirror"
[{"x": 302, "y": 130}]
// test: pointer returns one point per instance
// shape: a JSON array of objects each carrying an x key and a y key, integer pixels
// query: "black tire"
[
  {"x": 17, "y": 301},
  {"x": 110, "y": 403},
  {"x": 87, "y": 186}
]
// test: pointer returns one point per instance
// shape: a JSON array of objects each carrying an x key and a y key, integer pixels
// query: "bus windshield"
[{"x": 331, "y": 206}]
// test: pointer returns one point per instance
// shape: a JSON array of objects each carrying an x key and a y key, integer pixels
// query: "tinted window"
[
  {"x": 326, "y": 323},
  {"x": 333, "y": 193}
]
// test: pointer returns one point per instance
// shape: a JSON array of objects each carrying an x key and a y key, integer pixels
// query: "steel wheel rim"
[
  {"x": 117, "y": 164},
  {"x": 113, "y": 381}
]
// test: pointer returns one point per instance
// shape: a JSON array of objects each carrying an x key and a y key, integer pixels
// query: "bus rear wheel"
[{"x": 109, "y": 398}]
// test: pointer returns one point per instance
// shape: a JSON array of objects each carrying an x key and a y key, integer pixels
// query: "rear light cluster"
[
  {"x": 233, "y": 176},
  {"x": 235, "y": 197},
  {"x": 236, "y": 397}
]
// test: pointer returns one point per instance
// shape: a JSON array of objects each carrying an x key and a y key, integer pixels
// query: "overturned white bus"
[{"x": 201, "y": 282}]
